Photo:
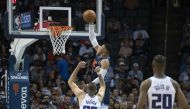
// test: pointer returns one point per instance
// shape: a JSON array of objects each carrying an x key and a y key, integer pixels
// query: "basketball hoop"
[{"x": 59, "y": 36}]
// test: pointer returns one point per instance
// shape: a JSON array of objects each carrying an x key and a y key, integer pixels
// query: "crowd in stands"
[
  {"x": 4, "y": 46},
  {"x": 184, "y": 52},
  {"x": 184, "y": 77},
  {"x": 49, "y": 74}
]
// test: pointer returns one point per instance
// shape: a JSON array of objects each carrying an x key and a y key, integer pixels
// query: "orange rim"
[{"x": 56, "y": 31}]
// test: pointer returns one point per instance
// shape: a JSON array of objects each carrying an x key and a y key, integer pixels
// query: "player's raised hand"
[
  {"x": 105, "y": 63},
  {"x": 81, "y": 65},
  {"x": 97, "y": 69}
]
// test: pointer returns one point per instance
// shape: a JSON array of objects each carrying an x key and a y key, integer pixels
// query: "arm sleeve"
[
  {"x": 92, "y": 36},
  {"x": 103, "y": 73}
]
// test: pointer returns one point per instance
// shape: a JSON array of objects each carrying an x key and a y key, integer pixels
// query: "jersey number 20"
[
  {"x": 162, "y": 101},
  {"x": 88, "y": 107}
]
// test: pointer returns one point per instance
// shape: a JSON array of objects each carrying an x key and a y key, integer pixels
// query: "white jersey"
[
  {"x": 90, "y": 103},
  {"x": 161, "y": 93}
]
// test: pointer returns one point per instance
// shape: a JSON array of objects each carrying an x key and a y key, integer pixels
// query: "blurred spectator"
[
  {"x": 129, "y": 104},
  {"x": 62, "y": 65},
  {"x": 71, "y": 51},
  {"x": 120, "y": 86},
  {"x": 140, "y": 33},
  {"x": 2, "y": 98},
  {"x": 116, "y": 105},
  {"x": 185, "y": 76},
  {"x": 48, "y": 104},
  {"x": 33, "y": 90},
  {"x": 125, "y": 49},
  {"x": 73, "y": 98},
  {"x": 3, "y": 49},
  {"x": 39, "y": 55},
  {"x": 111, "y": 101},
  {"x": 121, "y": 69},
  {"x": 36, "y": 101},
  {"x": 136, "y": 73},
  {"x": 36, "y": 71},
  {"x": 63, "y": 87},
  {"x": 67, "y": 103},
  {"x": 60, "y": 96},
  {"x": 135, "y": 93},
  {"x": 44, "y": 89},
  {"x": 115, "y": 95},
  {"x": 124, "y": 99},
  {"x": 139, "y": 49},
  {"x": 113, "y": 26},
  {"x": 51, "y": 71},
  {"x": 86, "y": 50},
  {"x": 131, "y": 98},
  {"x": 126, "y": 31},
  {"x": 54, "y": 98},
  {"x": 123, "y": 106},
  {"x": 112, "y": 83},
  {"x": 42, "y": 105}
]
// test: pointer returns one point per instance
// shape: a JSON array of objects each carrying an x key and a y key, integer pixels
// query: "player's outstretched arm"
[
  {"x": 103, "y": 70},
  {"x": 102, "y": 88},
  {"x": 76, "y": 90},
  {"x": 181, "y": 100},
  {"x": 142, "y": 102},
  {"x": 92, "y": 37}
]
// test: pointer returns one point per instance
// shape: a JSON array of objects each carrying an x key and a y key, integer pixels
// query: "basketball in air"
[{"x": 89, "y": 16}]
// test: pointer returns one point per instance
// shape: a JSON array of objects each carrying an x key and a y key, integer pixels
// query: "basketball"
[{"x": 89, "y": 16}]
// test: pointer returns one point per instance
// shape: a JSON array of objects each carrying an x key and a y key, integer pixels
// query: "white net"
[{"x": 58, "y": 40}]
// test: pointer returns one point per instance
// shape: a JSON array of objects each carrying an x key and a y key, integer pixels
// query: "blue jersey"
[
  {"x": 97, "y": 62},
  {"x": 107, "y": 79},
  {"x": 98, "y": 59}
]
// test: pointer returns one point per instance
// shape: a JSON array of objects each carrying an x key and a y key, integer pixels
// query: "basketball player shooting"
[
  {"x": 101, "y": 62},
  {"x": 160, "y": 91},
  {"x": 89, "y": 99}
]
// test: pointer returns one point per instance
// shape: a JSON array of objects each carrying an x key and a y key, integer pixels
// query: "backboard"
[{"x": 31, "y": 21}]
